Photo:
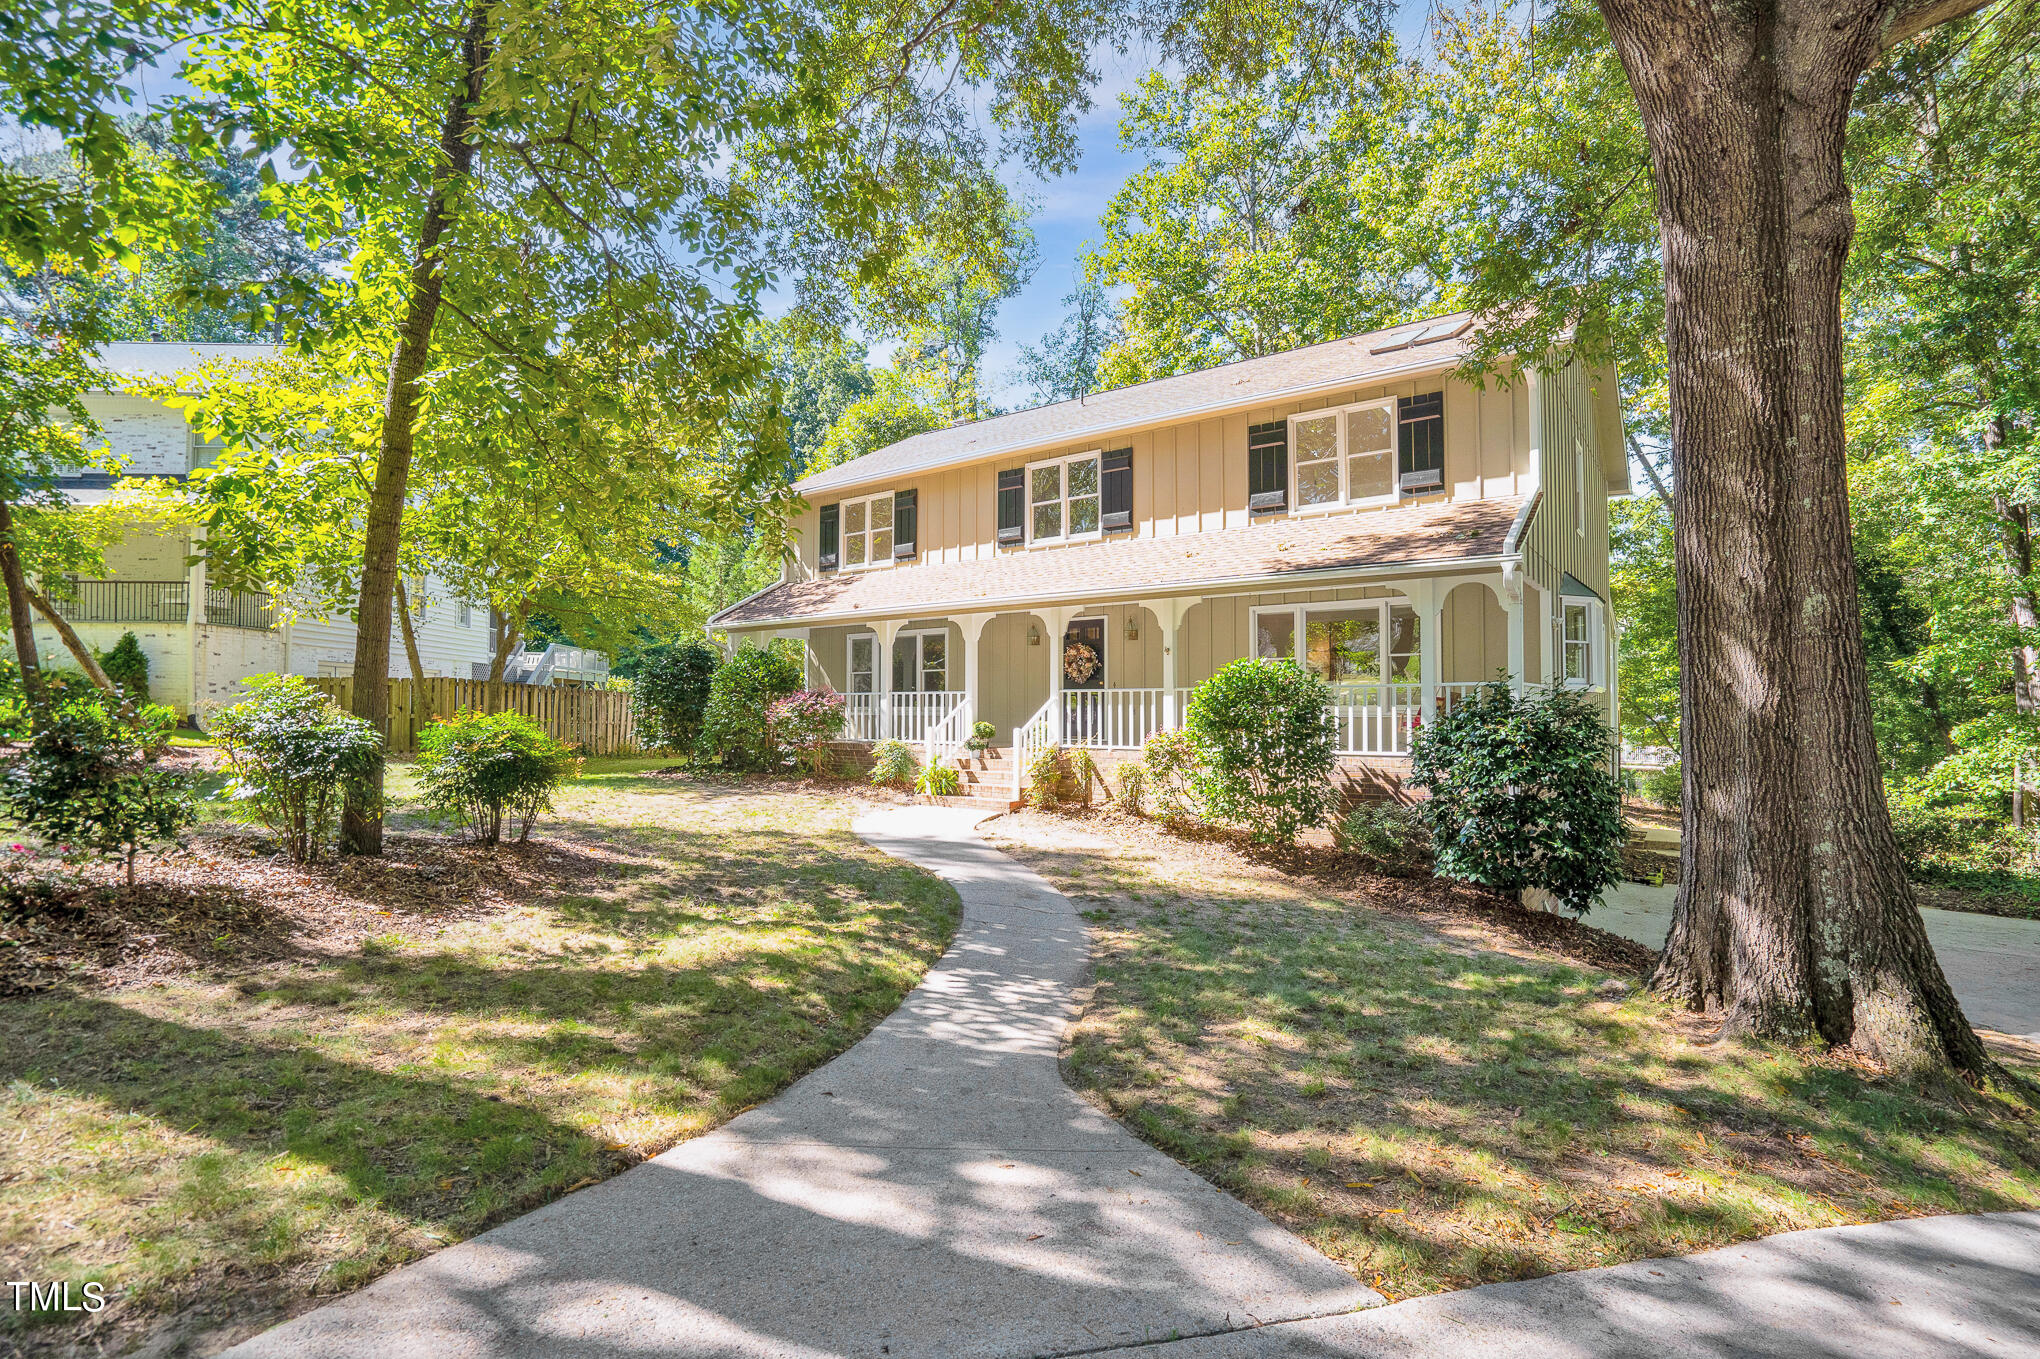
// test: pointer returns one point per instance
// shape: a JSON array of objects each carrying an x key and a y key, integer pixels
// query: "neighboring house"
[
  {"x": 202, "y": 641},
  {"x": 1073, "y": 571}
]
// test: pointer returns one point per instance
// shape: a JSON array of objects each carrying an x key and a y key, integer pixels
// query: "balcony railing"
[
  {"x": 159, "y": 601},
  {"x": 124, "y": 601}
]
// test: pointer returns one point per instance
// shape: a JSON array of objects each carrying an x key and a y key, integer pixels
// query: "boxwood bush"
[
  {"x": 491, "y": 772},
  {"x": 1265, "y": 751},
  {"x": 1523, "y": 793},
  {"x": 293, "y": 755}
]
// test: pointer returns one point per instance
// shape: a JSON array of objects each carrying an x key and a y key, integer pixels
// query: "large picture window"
[
  {"x": 1062, "y": 499},
  {"x": 1344, "y": 456},
  {"x": 868, "y": 532},
  {"x": 1365, "y": 642},
  {"x": 920, "y": 661}
]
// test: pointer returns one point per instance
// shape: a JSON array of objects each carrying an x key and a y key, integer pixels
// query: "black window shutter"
[
  {"x": 1013, "y": 505},
  {"x": 1268, "y": 466},
  {"x": 832, "y": 519},
  {"x": 1420, "y": 425},
  {"x": 904, "y": 516},
  {"x": 1116, "y": 490}
]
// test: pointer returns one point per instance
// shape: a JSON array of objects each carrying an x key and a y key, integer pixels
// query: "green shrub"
[
  {"x": 733, "y": 728},
  {"x": 982, "y": 734},
  {"x": 127, "y": 665},
  {"x": 84, "y": 783},
  {"x": 1060, "y": 776},
  {"x": 1264, "y": 749},
  {"x": 1956, "y": 839},
  {"x": 294, "y": 756},
  {"x": 939, "y": 780},
  {"x": 893, "y": 765},
  {"x": 801, "y": 725},
  {"x": 1523, "y": 794},
  {"x": 1664, "y": 787},
  {"x": 157, "y": 723},
  {"x": 1169, "y": 765},
  {"x": 1133, "y": 787},
  {"x": 480, "y": 769},
  {"x": 59, "y": 687},
  {"x": 669, "y": 694},
  {"x": 1392, "y": 834}
]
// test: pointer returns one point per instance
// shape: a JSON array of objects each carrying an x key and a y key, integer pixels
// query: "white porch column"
[
  {"x": 1512, "y": 607},
  {"x": 1169, "y": 615},
  {"x": 1057, "y": 622},
  {"x": 1429, "y": 602},
  {"x": 970, "y": 627},
  {"x": 881, "y": 677}
]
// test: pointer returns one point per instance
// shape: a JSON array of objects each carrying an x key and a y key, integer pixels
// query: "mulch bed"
[
  {"x": 1434, "y": 901},
  {"x": 230, "y": 899}
]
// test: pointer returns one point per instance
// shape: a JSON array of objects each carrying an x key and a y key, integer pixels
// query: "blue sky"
[{"x": 1068, "y": 209}]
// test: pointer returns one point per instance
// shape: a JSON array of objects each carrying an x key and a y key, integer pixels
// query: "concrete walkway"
[
  {"x": 1928, "y": 1288},
  {"x": 934, "y": 1191},
  {"x": 1992, "y": 962}
]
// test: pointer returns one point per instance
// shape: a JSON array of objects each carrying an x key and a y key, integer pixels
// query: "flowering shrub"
[{"x": 802, "y": 724}]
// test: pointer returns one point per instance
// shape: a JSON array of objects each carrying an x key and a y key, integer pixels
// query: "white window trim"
[
  {"x": 1300, "y": 613},
  {"x": 1028, "y": 502},
  {"x": 920, "y": 664},
  {"x": 1597, "y": 633},
  {"x": 850, "y": 660},
  {"x": 1338, "y": 414},
  {"x": 843, "y": 562}
]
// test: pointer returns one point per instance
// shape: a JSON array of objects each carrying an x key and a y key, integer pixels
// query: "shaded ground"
[
  {"x": 1439, "y": 1097},
  {"x": 305, "y": 1078}
]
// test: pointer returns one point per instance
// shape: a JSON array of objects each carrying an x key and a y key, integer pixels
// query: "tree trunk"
[
  {"x": 1795, "y": 915},
  {"x": 509, "y": 629},
  {"x": 361, "y": 820},
  {"x": 2016, "y": 528},
  {"x": 74, "y": 644},
  {"x": 19, "y": 617},
  {"x": 420, "y": 694}
]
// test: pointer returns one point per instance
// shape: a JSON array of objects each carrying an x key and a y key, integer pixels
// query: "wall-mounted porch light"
[
  {"x": 1132, "y": 629},
  {"x": 1033, "y": 635}
]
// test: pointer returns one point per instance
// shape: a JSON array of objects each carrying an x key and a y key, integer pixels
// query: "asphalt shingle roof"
[
  {"x": 1441, "y": 533},
  {"x": 1429, "y": 344}
]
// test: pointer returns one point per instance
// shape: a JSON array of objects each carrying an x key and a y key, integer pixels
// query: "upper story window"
[
  {"x": 203, "y": 452},
  {"x": 1369, "y": 453},
  {"x": 1063, "y": 499},
  {"x": 872, "y": 530}
]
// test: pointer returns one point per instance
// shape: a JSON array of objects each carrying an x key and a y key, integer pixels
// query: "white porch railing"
[
  {"x": 902, "y": 716},
  {"x": 1030, "y": 738},
  {"x": 1114, "y": 719},
  {"x": 944, "y": 740}
]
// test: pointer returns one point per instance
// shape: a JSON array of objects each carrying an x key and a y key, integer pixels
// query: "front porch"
[{"x": 1106, "y": 676}]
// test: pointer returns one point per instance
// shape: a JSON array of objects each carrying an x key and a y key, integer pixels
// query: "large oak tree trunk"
[
  {"x": 361, "y": 822},
  {"x": 1794, "y": 916}
]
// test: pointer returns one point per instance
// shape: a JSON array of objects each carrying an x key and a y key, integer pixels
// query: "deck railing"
[
  {"x": 239, "y": 609},
  {"x": 123, "y": 601}
]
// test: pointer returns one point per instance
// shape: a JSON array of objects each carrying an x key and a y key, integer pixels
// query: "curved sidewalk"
[{"x": 935, "y": 1190}]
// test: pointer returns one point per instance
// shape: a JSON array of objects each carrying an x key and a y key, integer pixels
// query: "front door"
[{"x": 1083, "y": 678}]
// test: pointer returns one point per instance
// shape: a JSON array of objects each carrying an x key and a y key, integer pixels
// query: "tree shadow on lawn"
[
  {"x": 1435, "y": 1113},
  {"x": 312, "y": 1122}
]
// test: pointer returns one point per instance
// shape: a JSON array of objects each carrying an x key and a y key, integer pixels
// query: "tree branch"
[{"x": 1910, "y": 20}]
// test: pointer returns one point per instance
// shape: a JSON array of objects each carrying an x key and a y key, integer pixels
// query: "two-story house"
[
  {"x": 1073, "y": 571},
  {"x": 203, "y": 640}
]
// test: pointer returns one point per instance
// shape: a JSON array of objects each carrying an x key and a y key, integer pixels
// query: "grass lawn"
[
  {"x": 305, "y": 1078},
  {"x": 1439, "y": 1090}
]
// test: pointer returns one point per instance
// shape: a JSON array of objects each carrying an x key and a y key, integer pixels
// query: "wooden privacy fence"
[{"x": 597, "y": 720}]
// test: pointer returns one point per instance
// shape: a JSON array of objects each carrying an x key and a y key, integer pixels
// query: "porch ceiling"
[{"x": 1444, "y": 534}]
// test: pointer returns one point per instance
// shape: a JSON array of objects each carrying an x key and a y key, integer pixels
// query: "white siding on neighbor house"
[
  {"x": 325, "y": 644},
  {"x": 148, "y": 435}
]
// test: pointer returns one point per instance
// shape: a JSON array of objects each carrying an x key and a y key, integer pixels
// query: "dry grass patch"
[
  {"x": 1439, "y": 1090},
  {"x": 390, "y": 1058}
]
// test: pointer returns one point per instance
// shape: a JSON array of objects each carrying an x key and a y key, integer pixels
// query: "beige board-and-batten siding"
[{"x": 598, "y": 721}]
